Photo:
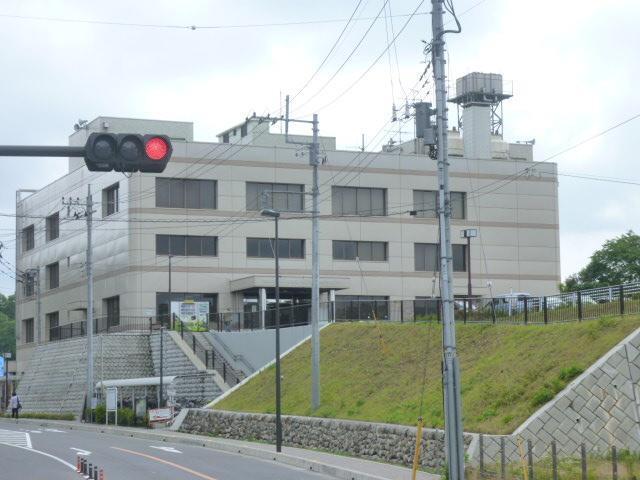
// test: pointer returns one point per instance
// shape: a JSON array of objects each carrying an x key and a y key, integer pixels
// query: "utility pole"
[
  {"x": 89, "y": 215},
  {"x": 314, "y": 160},
  {"x": 170, "y": 313},
  {"x": 454, "y": 444}
]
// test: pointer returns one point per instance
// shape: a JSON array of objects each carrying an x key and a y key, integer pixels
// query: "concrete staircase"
[
  {"x": 195, "y": 385},
  {"x": 55, "y": 381}
]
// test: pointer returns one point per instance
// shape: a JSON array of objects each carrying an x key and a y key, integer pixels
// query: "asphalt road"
[{"x": 50, "y": 454}]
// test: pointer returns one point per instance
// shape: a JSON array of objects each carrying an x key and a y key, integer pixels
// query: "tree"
[
  {"x": 7, "y": 324},
  {"x": 617, "y": 262}
]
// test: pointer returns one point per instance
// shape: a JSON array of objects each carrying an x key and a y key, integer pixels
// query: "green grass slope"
[{"x": 391, "y": 372}]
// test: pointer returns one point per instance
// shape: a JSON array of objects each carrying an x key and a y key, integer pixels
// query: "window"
[
  {"x": 27, "y": 330},
  {"x": 427, "y": 257},
  {"x": 185, "y": 193},
  {"x": 225, "y": 137},
  {"x": 186, "y": 245},
  {"x": 111, "y": 306},
  {"x": 110, "y": 200},
  {"x": 263, "y": 248},
  {"x": 28, "y": 238},
  {"x": 243, "y": 129},
  {"x": 53, "y": 275},
  {"x": 358, "y": 201},
  {"x": 284, "y": 197},
  {"x": 425, "y": 202},
  {"x": 362, "y": 307},
  {"x": 29, "y": 284},
  {"x": 53, "y": 321},
  {"x": 365, "y": 251},
  {"x": 53, "y": 227}
]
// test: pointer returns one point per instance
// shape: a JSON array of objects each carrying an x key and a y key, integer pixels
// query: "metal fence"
[
  {"x": 513, "y": 309},
  {"x": 510, "y": 458}
]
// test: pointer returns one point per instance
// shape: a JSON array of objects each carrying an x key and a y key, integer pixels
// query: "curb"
[{"x": 214, "y": 444}]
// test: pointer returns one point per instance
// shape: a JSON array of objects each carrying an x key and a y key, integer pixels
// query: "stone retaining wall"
[{"x": 375, "y": 441}]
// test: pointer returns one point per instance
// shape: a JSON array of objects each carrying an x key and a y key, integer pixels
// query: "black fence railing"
[
  {"x": 209, "y": 356},
  {"x": 510, "y": 308},
  {"x": 106, "y": 325}
]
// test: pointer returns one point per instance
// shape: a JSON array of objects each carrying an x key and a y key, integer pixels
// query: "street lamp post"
[
  {"x": 268, "y": 212},
  {"x": 469, "y": 233}
]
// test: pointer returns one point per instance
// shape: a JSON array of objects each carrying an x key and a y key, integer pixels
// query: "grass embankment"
[{"x": 375, "y": 372}]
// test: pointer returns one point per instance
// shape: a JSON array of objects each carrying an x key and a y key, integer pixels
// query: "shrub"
[
  {"x": 126, "y": 417},
  {"x": 568, "y": 374}
]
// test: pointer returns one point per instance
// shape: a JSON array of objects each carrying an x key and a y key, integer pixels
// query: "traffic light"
[{"x": 127, "y": 152}]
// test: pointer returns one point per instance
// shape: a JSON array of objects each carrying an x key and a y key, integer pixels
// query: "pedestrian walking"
[{"x": 15, "y": 405}]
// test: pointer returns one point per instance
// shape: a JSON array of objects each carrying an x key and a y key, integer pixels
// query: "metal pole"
[
  {"x": 38, "y": 303},
  {"x": 454, "y": 443},
  {"x": 469, "y": 292},
  {"x": 90, "y": 389},
  {"x": 315, "y": 274},
  {"x": 161, "y": 365},
  {"x": 170, "y": 314},
  {"x": 278, "y": 392}
]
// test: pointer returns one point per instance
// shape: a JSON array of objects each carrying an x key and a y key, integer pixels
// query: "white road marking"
[
  {"x": 53, "y": 430},
  {"x": 166, "y": 449},
  {"x": 80, "y": 451},
  {"x": 72, "y": 467},
  {"x": 15, "y": 438},
  {"x": 35, "y": 431}
]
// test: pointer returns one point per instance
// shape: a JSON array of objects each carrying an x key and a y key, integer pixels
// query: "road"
[{"x": 47, "y": 453}]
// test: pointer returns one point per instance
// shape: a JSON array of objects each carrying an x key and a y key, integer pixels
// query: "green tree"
[
  {"x": 7, "y": 324},
  {"x": 618, "y": 261}
]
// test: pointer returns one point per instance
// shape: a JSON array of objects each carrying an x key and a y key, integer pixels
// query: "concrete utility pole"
[
  {"x": 89, "y": 215},
  {"x": 314, "y": 161},
  {"x": 454, "y": 444}
]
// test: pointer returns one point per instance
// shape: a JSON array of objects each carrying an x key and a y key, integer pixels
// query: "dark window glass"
[
  {"x": 425, "y": 202},
  {"x": 263, "y": 248},
  {"x": 27, "y": 330},
  {"x": 364, "y": 251},
  {"x": 189, "y": 245},
  {"x": 358, "y": 201},
  {"x": 185, "y": 193},
  {"x": 284, "y": 197},
  {"x": 458, "y": 205},
  {"x": 53, "y": 321},
  {"x": 112, "y": 310},
  {"x": 163, "y": 192},
  {"x": 53, "y": 226},
  {"x": 178, "y": 245},
  {"x": 362, "y": 307},
  {"x": 29, "y": 285},
  {"x": 110, "y": 200},
  {"x": 28, "y": 238},
  {"x": 53, "y": 273},
  {"x": 427, "y": 257},
  {"x": 225, "y": 137},
  {"x": 243, "y": 129},
  {"x": 162, "y": 300}
]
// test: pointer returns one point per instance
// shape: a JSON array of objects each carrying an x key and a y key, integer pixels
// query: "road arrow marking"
[
  {"x": 53, "y": 430},
  {"x": 80, "y": 451},
  {"x": 166, "y": 449}
]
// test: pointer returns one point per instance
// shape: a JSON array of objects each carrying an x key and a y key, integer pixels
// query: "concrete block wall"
[
  {"x": 599, "y": 409},
  {"x": 55, "y": 381}
]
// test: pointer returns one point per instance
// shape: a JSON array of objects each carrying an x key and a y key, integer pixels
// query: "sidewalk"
[{"x": 342, "y": 467}]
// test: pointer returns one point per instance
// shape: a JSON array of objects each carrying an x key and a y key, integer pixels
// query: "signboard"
[
  {"x": 112, "y": 398},
  {"x": 1, "y": 367},
  {"x": 190, "y": 311},
  {"x": 160, "y": 414}
]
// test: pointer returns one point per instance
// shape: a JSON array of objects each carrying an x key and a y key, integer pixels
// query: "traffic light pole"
[
  {"x": 454, "y": 442},
  {"x": 40, "y": 151}
]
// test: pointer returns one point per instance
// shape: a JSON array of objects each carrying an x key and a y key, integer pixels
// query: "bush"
[
  {"x": 542, "y": 396},
  {"x": 45, "y": 416},
  {"x": 126, "y": 417},
  {"x": 568, "y": 374}
]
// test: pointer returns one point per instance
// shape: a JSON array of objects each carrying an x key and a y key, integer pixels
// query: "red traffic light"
[
  {"x": 156, "y": 148},
  {"x": 127, "y": 152}
]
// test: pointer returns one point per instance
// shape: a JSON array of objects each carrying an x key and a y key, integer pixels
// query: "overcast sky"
[{"x": 573, "y": 64}]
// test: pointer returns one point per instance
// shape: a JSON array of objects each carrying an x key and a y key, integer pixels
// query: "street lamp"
[
  {"x": 469, "y": 233},
  {"x": 269, "y": 212}
]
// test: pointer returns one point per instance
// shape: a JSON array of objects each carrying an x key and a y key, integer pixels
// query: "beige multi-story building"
[{"x": 378, "y": 227}]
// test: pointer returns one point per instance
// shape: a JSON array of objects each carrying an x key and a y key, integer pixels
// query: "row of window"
[
  {"x": 284, "y": 197},
  {"x": 426, "y": 254}
]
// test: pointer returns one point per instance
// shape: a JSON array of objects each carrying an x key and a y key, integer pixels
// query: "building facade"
[{"x": 378, "y": 227}]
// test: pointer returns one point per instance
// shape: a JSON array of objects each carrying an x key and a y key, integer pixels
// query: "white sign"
[
  {"x": 160, "y": 415},
  {"x": 112, "y": 398},
  {"x": 190, "y": 311}
]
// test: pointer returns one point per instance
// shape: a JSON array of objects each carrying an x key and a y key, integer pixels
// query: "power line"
[{"x": 189, "y": 27}]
